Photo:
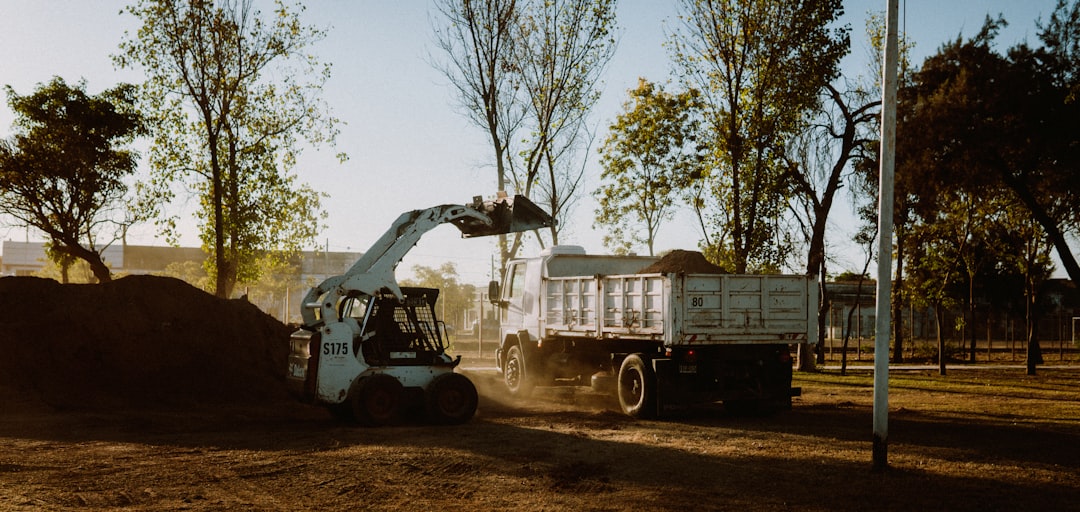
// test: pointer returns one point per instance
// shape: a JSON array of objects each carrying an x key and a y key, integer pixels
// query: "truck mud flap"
[{"x": 669, "y": 392}]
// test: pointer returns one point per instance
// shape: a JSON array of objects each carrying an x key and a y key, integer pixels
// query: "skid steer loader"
[{"x": 368, "y": 349}]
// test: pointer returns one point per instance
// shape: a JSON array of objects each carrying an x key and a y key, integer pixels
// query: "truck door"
[{"x": 513, "y": 297}]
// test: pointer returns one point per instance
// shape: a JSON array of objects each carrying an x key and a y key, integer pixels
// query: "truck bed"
[{"x": 682, "y": 309}]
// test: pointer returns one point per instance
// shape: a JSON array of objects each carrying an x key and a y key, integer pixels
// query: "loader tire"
[
  {"x": 451, "y": 399},
  {"x": 376, "y": 400}
]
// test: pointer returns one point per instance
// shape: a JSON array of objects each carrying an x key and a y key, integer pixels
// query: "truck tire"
[
  {"x": 376, "y": 400},
  {"x": 518, "y": 381},
  {"x": 637, "y": 387},
  {"x": 451, "y": 399}
]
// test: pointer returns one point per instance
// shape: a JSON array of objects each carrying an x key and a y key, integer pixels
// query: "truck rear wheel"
[
  {"x": 637, "y": 387},
  {"x": 451, "y": 399},
  {"x": 376, "y": 399},
  {"x": 518, "y": 381}
]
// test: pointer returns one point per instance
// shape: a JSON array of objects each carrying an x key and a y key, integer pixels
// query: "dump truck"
[
  {"x": 659, "y": 340},
  {"x": 370, "y": 350}
]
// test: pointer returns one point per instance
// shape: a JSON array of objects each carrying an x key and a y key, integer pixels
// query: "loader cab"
[{"x": 398, "y": 333}]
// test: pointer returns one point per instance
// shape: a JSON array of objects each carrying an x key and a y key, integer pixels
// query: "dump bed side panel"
[
  {"x": 728, "y": 308},
  {"x": 682, "y": 309},
  {"x": 632, "y": 305}
]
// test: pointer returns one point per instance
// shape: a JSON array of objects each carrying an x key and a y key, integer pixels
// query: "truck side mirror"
[{"x": 493, "y": 292}]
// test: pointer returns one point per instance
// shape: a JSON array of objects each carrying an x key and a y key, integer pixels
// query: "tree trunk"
[
  {"x": 1053, "y": 232},
  {"x": 898, "y": 301},
  {"x": 97, "y": 265},
  {"x": 220, "y": 262},
  {"x": 847, "y": 328},
  {"x": 1034, "y": 351},
  {"x": 940, "y": 339},
  {"x": 807, "y": 356},
  {"x": 969, "y": 325}
]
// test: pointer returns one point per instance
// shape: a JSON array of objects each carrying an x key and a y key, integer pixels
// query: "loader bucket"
[{"x": 508, "y": 215}]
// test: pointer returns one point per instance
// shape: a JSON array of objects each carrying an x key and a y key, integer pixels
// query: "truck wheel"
[
  {"x": 637, "y": 387},
  {"x": 376, "y": 399},
  {"x": 518, "y": 381},
  {"x": 451, "y": 399}
]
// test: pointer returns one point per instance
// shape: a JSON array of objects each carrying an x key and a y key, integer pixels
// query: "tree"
[
  {"x": 478, "y": 41},
  {"x": 760, "y": 65},
  {"x": 64, "y": 171},
  {"x": 527, "y": 72},
  {"x": 990, "y": 124},
  {"x": 1011, "y": 118},
  {"x": 565, "y": 47},
  {"x": 648, "y": 155},
  {"x": 932, "y": 277},
  {"x": 865, "y": 237},
  {"x": 834, "y": 135},
  {"x": 455, "y": 298},
  {"x": 227, "y": 94}
]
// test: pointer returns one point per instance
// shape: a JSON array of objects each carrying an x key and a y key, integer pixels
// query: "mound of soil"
[
  {"x": 137, "y": 341},
  {"x": 686, "y": 262}
]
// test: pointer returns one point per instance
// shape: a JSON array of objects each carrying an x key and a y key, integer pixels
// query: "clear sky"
[{"x": 408, "y": 143}]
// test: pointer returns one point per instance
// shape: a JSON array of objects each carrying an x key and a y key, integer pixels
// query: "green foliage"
[
  {"x": 970, "y": 131},
  {"x": 455, "y": 298},
  {"x": 231, "y": 95},
  {"x": 648, "y": 157},
  {"x": 851, "y": 277},
  {"x": 64, "y": 171},
  {"x": 68, "y": 270}
]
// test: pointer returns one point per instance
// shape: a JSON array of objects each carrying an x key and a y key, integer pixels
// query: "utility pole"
[{"x": 885, "y": 230}]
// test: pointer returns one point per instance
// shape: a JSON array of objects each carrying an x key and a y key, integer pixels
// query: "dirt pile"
[
  {"x": 680, "y": 261},
  {"x": 137, "y": 341}
]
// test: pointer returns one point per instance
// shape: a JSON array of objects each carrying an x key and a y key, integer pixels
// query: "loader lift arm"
[{"x": 374, "y": 271}]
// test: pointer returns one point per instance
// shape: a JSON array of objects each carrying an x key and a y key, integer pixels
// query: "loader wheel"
[
  {"x": 518, "y": 381},
  {"x": 451, "y": 399},
  {"x": 637, "y": 387},
  {"x": 376, "y": 400}
]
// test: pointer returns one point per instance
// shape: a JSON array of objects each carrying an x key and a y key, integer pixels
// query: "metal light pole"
[{"x": 885, "y": 230}]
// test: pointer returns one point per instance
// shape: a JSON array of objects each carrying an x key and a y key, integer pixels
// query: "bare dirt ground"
[
  {"x": 563, "y": 450},
  {"x": 121, "y": 439}
]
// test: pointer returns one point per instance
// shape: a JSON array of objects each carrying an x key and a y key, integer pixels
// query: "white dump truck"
[{"x": 659, "y": 340}]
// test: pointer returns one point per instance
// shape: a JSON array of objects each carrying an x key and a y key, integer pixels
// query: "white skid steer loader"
[{"x": 368, "y": 349}]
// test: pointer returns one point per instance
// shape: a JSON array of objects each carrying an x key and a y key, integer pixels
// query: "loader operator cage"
[{"x": 391, "y": 327}]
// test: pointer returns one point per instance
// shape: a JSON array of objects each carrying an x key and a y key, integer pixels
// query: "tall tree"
[
  {"x": 478, "y": 42},
  {"x": 1012, "y": 119},
  {"x": 760, "y": 65},
  {"x": 649, "y": 154},
  {"x": 527, "y": 71},
  {"x": 63, "y": 173},
  {"x": 231, "y": 95},
  {"x": 565, "y": 47},
  {"x": 835, "y": 133}
]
